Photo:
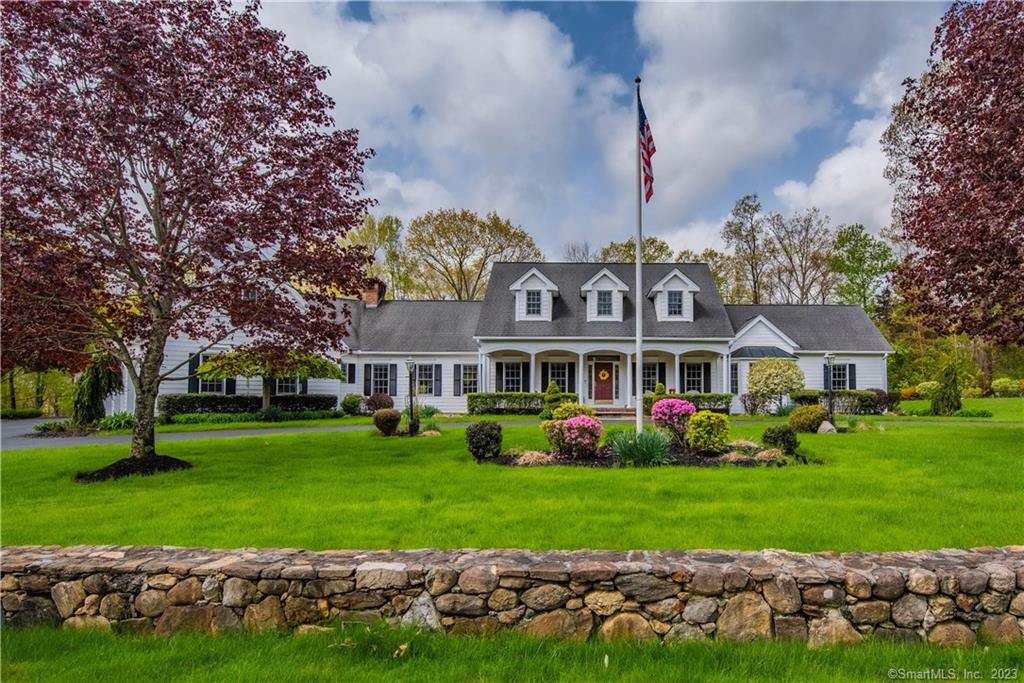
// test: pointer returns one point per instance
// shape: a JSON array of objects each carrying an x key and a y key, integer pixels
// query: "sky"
[{"x": 528, "y": 109}]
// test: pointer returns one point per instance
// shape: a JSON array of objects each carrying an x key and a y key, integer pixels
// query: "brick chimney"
[{"x": 373, "y": 293}]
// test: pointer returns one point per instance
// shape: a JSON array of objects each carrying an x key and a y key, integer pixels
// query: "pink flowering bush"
[
  {"x": 576, "y": 437},
  {"x": 673, "y": 415}
]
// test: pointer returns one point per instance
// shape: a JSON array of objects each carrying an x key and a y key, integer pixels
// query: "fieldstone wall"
[{"x": 949, "y": 597}]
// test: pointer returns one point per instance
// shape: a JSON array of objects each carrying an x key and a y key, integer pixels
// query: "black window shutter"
[
  {"x": 229, "y": 386},
  {"x": 350, "y": 374},
  {"x": 304, "y": 386},
  {"x": 572, "y": 378},
  {"x": 273, "y": 386},
  {"x": 526, "y": 377},
  {"x": 499, "y": 376},
  {"x": 193, "y": 381},
  {"x": 707, "y": 377},
  {"x": 633, "y": 376},
  {"x": 661, "y": 373},
  {"x": 826, "y": 381},
  {"x": 367, "y": 377},
  {"x": 393, "y": 380},
  {"x": 458, "y": 380},
  {"x": 544, "y": 374},
  {"x": 851, "y": 375},
  {"x": 437, "y": 379}
]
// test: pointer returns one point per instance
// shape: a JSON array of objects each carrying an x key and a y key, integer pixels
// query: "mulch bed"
[
  {"x": 605, "y": 458},
  {"x": 71, "y": 431},
  {"x": 128, "y": 467}
]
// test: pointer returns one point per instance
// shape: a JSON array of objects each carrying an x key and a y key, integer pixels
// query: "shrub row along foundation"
[{"x": 948, "y": 597}]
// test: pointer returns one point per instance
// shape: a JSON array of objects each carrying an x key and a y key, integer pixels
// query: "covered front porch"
[{"x": 603, "y": 374}]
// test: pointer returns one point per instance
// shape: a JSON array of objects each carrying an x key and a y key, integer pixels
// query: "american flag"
[{"x": 647, "y": 150}]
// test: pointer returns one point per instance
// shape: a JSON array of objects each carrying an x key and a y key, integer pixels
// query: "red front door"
[{"x": 603, "y": 390}]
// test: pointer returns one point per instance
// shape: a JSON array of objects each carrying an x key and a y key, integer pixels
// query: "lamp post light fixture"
[
  {"x": 829, "y": 360},
  {"x": 410, "y": 367}
]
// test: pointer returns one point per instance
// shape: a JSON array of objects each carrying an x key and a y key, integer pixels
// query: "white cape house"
[{"x": 572, "y": 323}]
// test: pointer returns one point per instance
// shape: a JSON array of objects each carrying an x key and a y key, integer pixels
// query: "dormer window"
[
  {"x": 675, "y": 303},
  {"x": 533, "y": 306},
  {"x": 604, "y": 303}
]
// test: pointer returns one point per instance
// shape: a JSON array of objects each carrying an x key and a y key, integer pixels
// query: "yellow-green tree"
[{"x": 653, "y": 250}]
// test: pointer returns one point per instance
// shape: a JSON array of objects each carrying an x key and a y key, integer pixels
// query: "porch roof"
[{"x": 747, "y": 352}]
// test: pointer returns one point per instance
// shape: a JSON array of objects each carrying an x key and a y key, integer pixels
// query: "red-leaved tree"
[
  {"x": 956, "y": 152},
  {"x": 186, "y": 158}
]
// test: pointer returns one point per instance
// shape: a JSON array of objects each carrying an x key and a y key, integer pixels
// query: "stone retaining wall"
[{"x": 950, "y": 597}]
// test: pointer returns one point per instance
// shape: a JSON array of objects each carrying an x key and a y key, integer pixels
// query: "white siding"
[
  {"x": 761, "y": 334},
  {"x": 661, "y": 303},
  {"x": 871, "y": 371},
  {"x": 534, "y": 282},
  {"x": 604, "y": 283},
  {"x": 447, "y": 401}
]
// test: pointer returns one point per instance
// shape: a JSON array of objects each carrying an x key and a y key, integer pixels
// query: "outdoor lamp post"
[
  {"x": 829, "y": 359},
  {"x": 410, "y": 368}
]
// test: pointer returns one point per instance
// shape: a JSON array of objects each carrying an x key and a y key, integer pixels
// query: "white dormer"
[
  {"x": 534, "y": 294},
  {"x": 673, "y": 297},
  {"x": 603, "y": 294}
]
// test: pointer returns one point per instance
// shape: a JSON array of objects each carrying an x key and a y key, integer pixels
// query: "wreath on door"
[{"x": 603, "y": 375}]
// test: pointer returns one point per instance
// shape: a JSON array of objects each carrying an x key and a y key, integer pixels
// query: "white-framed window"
[
  {"x": 604, "y": 303},
  {"x": 533, "y": 302},
  {"x": 650, "y": 377},
  {"x": 210, "y": 386},
  {"x": 840, "y": 377},
  {"x": 693, "y": 377},
  {"x": 380, "y": 381},
  {"x": 559, "y": 374},
  {"x": 470, "y": 379},
  {"x": 425, "y": 380},
  {"x": 675, "y": 303},
  {"x": 287, "y": 385},
  {"x": 513, "y": 377},
  {"x": 734, "y": 378}
]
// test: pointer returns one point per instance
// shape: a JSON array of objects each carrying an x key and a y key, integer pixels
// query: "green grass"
[
  {"x": 908, "y": 487},
  {"x": 1002, "y": 409},
  {"x": 369, "y": 654},
  {"x": 326, "y": 422}
]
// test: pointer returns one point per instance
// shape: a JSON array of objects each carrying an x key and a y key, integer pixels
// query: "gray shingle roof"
[
  {"x": 414, "y": 326},
  {"x": 569, "y": 317},
  {"x": 816, "y": 328}
]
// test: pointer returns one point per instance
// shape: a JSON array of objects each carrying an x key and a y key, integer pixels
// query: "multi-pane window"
[
  {"x": 424, "y": 380},
  {"x": 734, "y": 378},
  {"x": 693, "y": 379},
  {"x": 513, "y": 377},
  {"x": 650, "y": 377},
  {"x": 380, "y": 380},
  {"x": 675, "y": 303},
  {"x": 469, "y": 379},
  {"x": 559, "y": 374},
  {"x": 287, "y": 385},
  {"x": 840, "y": 377},
  {"x": 533, "y": 302},
  {"x": 210, "y": 386},
  {"x": 604, "y": 303}
]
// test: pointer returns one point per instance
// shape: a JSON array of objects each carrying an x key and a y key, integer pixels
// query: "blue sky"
[{"x": 527, "y": 108}]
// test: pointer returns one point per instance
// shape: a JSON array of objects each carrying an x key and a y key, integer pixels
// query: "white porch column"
[
  {"x": 678, "y": 375},
  {"x": 581, "y": 372},
  {"x": 725, "y": 373},
  {"x": 629, "y": 383},
  {"x": 534, "y": 380}
]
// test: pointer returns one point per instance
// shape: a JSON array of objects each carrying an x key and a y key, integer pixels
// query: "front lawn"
[
  {"x": 358, "y": 654},
  {"x": 908, "y": 487},
  {"x": 1002, "y": 409}
]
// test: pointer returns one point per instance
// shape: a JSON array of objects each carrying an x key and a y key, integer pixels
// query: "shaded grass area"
[
  {"x": 370, "y": 654},
  {"x": 907, "y": 487},
  {"x": 1002, "y": 409}
]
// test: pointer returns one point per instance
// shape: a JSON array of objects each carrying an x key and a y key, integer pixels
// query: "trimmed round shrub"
[
  {"x": 807, "y": 418},
  {"x": 379, "y": 402},
  {"x": 708, "y": 432},
  {"x": 782, "y": 437},
  {"x": 673, "y": 415},
  {"x": 483, "y": 439},
  {"x": 927, "y": 389},
  {"x": 350, "y": 404},
  {"x": 649, "y": 448},
  {"x": 580, "y": 436},
  {"x": 659, "y": 389},
  {"x": 972, "y": 392},
  {"x": 552, "y": 397},
  {"x": 386, "y": 420},
  {"x": 567, "y": 410},
  {"x": 881, "y": 401},
  {"x": 1004, "y": 387}
]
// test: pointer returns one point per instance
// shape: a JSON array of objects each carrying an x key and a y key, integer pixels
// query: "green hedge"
[
  {"x": 715, "y": 402},
  {"x": 19, "y": 414},
  {"x": 174, "y": 404},
  {"x": 845, "y": 401},
  {"x": 806, "y": 397},
  {"x": 510, "y": 403}
]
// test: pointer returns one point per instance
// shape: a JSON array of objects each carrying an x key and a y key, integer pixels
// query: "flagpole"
[{"x": 638, "y": 292}]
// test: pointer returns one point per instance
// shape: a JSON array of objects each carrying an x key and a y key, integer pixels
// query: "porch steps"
[{"x": 614, "y": 412}]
